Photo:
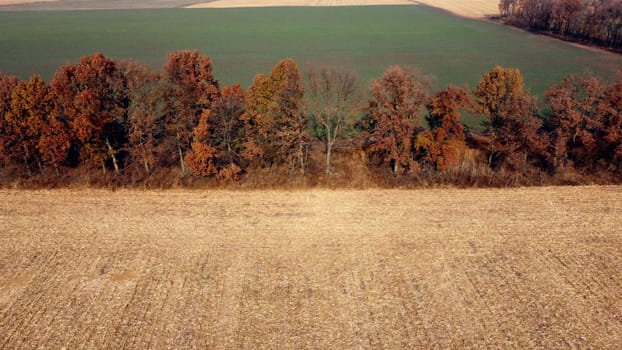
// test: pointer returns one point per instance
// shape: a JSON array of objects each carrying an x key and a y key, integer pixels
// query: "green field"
[{"x": 243, "y": 42}]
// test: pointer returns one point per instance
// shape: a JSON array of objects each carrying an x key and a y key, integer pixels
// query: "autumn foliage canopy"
[
  {"x": 129, "y": 124},
  {"x": 591, "y": 21}
]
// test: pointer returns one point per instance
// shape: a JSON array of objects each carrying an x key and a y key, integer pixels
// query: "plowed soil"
[{"x": 495, "y": 269}]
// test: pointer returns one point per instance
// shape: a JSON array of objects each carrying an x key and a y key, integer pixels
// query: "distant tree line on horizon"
[
  {"x": 129, "y": 123},
  {"x": 594, "y": 21}
]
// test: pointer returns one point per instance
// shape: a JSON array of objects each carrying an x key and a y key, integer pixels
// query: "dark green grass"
[{"x": 243, "y": 42}]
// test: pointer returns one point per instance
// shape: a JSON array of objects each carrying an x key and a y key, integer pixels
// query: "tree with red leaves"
[
  {"x": 395, "y": 110},
  {"x": 92, "y": 97},
  {"x": 192, "y": 72},
  {"x": 54, "y": 140},
  {"x": 440, "y": 146},
  {"x": 587, "y": 123}
]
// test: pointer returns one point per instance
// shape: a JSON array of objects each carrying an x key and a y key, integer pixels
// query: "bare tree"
[{"x": 333, "y": 98}]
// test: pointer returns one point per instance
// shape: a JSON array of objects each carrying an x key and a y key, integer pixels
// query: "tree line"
[
  {"x": 128, "y": 123},
  {"x": 594, "y": 21}
]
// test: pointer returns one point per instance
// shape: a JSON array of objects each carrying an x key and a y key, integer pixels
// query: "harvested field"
[
  {"x": 70, "y": 5},
  {"x": 473, "y": 9},
  {"x": 276, "y": 3},
  {"x": 514, "y": 268},
  {"x": 15, "y": 2}
]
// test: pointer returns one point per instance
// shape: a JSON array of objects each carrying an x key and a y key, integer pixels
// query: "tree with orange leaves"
[
  {"x": 8, "y": 83},
  {"x": 30, "y": 106},
  {"x": 200, "y": 158},
  {"x": 575, "y": 121},
  {"x": 192, "y": 89},
  {"x": 217, "y": 139},
  {"x": 38, "y": 134},
  {"x": 441, "y": 144},
  {"x": 395, "y": 110},
  {"x": 276, "y": 127},
  {"x": 92, "y": 96},
  {"x": 512, "y": 124},
  {"x": 611, "y": 126}
]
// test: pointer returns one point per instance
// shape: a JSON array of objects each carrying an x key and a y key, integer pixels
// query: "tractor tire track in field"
[{"x": 525, "y": 268}]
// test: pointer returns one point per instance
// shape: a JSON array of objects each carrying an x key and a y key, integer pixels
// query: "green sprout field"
[{"x": 244, "y": 42}]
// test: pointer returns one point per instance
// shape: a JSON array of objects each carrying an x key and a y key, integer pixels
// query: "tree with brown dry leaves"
[
  {"x": 29, "y": 105},
  {"x": 611, "y": 126},
  {"x": 192, "y": 91},
  {"x": 513, "y": 127},
  {"x": 395, "y": 110},
  {"x": 575, "y": 120},
  {"x": 440, "y": 146},
  {"x": 8, "y": 83},
  {"x": 147, "y": 114},
  {"x": 217, "y": 139},
  {"x": 276, "y": 127}
]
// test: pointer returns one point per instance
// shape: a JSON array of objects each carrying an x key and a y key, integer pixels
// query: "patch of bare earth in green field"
[{"x": 511, "y": 268}]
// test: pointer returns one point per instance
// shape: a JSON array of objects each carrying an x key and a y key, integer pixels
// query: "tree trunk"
[
  {"x": 328, "y": 157},
  {"x": 181, "y": 160},
  {"x": 145, "y": 159},
  {"x": 26, "y": 160},
  {"x": 147, "y": 170},
  {"x": 228, "y": 141},
  {"x": 113, "y": 156},
  {"x": 330, "y": 143},
  {"x": 301, "y": 150},
  {"x": 491, "y": 150},
  {"x": 54, "y": 164}
]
